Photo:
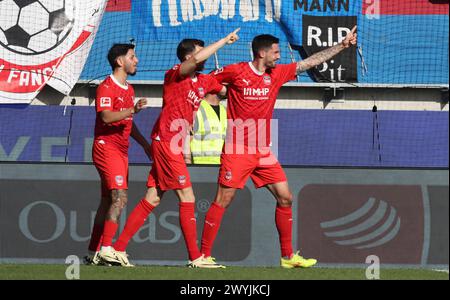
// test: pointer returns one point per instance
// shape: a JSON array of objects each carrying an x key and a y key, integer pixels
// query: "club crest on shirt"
[
  {"x": 267, "y": 80},
  {"x": 182, "y": 179},
  {"x": 228, "y": 175},
  {"x": 201, "y": 92},
  {"x": 119, "y": 180}
]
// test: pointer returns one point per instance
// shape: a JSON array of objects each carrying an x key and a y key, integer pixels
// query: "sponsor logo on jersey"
[
  {"x": 193, "y": 98},
  {"x": 256, "y": 92}
]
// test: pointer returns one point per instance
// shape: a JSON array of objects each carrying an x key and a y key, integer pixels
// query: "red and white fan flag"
[{"x": 44, "y": 42}]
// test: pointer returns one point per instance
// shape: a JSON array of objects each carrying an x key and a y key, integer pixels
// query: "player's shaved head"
[
  {"x": 263, "y": 42},
  {"x": 187, "y": 46},
  {"x": 116, "y": 51}
]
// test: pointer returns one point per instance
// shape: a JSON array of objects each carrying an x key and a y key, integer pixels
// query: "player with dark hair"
[
  {"x": 114, "y": 124},
  {"x": 183, "y": 89},
  {"x": 252, "y": 91}
]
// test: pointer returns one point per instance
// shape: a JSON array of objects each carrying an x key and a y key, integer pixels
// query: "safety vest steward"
[{"x": 209, "y": 134}]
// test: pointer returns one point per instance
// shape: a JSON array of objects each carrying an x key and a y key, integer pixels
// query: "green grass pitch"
[{"x": 49, "y": 271}]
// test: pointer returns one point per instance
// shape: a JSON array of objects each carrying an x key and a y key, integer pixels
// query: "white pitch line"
[{"x": 441, "y": 270}]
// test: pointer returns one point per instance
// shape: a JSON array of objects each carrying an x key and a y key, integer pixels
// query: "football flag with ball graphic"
[{"x": 44, "y": 42}]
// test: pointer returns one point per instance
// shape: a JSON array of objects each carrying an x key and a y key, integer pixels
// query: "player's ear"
[
  {"x": 120, "y": 61},
  {"x": 262, "y": 53}
]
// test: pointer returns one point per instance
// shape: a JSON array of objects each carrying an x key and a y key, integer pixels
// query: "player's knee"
[
  {"x": 285, "y": 199},
  {"x": 119, "y": 199},
  {"x": 152, "y": 197},
  {"x": 155, "y": 201},
  {"x": 123, "y": 197},
  {"x": 224, "y": 200}
]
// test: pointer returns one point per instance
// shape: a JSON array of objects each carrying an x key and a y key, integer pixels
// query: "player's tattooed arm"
[{"x": 324, "y": 55}]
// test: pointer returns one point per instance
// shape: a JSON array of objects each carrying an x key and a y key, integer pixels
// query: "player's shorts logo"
[
  {"x": 267, "y": 80},
  {"x": 182, "y": 179},
  {"x": 119, "y": 180},
  {"x": 228, "y": 175}
]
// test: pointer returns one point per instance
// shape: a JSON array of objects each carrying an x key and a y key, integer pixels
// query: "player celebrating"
[
  {"x": 252, "y": 91},
  {"x": 183, "y": 89},
  {"x": 114, "y": 124}
]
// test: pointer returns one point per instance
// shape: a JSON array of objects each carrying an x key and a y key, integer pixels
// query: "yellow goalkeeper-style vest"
[{"x": 209, "y": 134}]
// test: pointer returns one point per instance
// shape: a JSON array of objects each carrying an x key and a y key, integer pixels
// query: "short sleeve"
[
  {"x": 173, "y": 74},
  {"x": 287, "y": 72},
  {"x": 226, "y": 74},
  {"x": 214, "y": 87},
  {"x": 104, "y": 99}
]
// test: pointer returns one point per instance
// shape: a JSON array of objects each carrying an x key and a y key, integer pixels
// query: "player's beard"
[
  {"x": 132, "y": 73},
  {"x": 271, "y": 64},
  {"x": 200, "y": 66}
]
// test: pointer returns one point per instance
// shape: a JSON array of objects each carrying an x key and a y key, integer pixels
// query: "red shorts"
[
  {"x": 169, "y": 171},
  {"x": 112, "y": 166},
  {"x": 263, "y": 168}
]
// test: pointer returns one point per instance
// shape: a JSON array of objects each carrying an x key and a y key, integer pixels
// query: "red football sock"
[
  {"x": 135, "y": 220},
  {"x": 109, "y": 231},
  {"x": 188, "y": 225},
  {"x": 96, "y": 238},
  {"x": 211, "y": 227},
  {"x": 283, "y": 220}
]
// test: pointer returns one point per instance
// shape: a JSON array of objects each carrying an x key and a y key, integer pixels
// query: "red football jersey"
[
  {"x": 113, "y": 96},
  {"x": 181, "y": 99},
  {"x": 251, "y": 100}
]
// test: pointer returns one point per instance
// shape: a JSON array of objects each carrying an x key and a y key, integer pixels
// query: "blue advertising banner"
[{"x": 306, "y": 137}]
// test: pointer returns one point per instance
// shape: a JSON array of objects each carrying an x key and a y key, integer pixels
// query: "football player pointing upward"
[
  {"x": 252, "y": 91},
  {"x": 183, "y": 89}
]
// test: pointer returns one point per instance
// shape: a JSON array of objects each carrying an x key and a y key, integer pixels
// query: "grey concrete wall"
[{"x": 291, "y": 95}]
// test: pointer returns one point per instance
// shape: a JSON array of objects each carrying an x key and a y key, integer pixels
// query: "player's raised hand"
[
  {"x": 140, "y": 105},
  {"x": 350, "y": 39},
  {"x": 233, "y": 37}
]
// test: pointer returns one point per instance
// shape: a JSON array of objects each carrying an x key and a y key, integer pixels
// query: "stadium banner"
[
  {"x": 161, "y": 20},
  {"x": 320, "y": 33},
  {"x": 341, "y": 216},
  {"x": 44, "y": 42}
]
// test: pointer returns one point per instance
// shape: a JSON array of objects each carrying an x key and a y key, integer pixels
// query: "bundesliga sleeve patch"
[{"x": 105, "y": 102}]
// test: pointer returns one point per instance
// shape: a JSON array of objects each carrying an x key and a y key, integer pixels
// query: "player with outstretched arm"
[
  {"x": 183, "y": 89},
  {"x": 252, "y": 91}
]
